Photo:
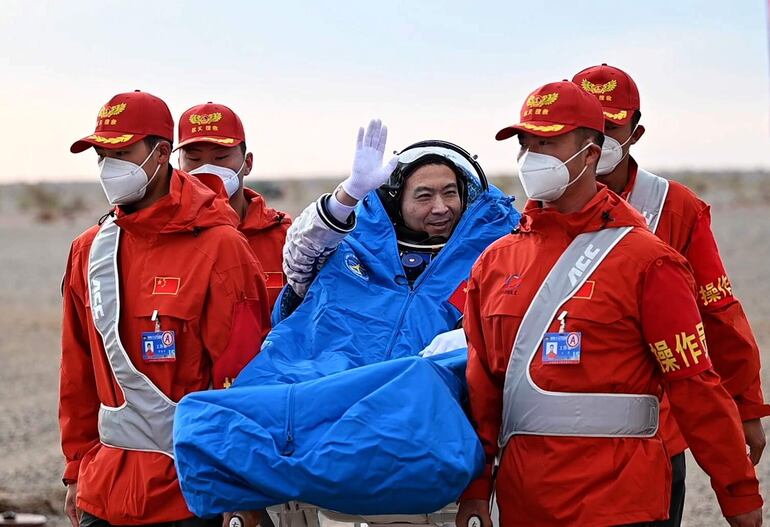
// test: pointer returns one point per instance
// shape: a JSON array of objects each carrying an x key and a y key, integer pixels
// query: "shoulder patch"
[{"x": 355, "y": 266}]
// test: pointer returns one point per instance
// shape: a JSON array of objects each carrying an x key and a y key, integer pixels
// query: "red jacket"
[
  {"x": 265, "y": 230},
  {"x": 637, "y": 307},
  {"x": 183, "y": 257},
  {"x": 685, "y": 224}
]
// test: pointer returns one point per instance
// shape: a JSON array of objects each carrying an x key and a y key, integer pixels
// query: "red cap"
[
  {"x": 126, "y": 119},
  {"x": 555, "y": 109},
  {"x": 615, "y": 90},
  {"x": 210, "y": 123}
]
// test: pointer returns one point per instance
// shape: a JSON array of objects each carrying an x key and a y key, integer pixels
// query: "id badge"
[
  {"x": 159, "y": 346},
  {"x": 562, "y": 348}
]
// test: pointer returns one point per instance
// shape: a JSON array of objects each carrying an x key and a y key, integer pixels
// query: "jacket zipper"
[
  {"x": 424, "y": 276},
  {"x": 288, "y": 448}
]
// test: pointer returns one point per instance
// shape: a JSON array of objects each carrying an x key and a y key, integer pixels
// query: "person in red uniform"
[
  {"x": 187, "y": 286},
  {"x": 637, "y": 334},
  {"x": 212, "y": 142},
  {"x": 684, "y": 223}
]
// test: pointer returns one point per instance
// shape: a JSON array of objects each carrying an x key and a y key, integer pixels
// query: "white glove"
[
  {"x": 368, "y": 172},
  {"x": 445, "y": 342}
]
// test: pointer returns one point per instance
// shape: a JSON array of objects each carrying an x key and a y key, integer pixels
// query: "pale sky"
[{"x": 304, "y": 75}]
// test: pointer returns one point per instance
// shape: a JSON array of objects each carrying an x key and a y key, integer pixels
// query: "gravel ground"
[{"x": 31, "y": 266}]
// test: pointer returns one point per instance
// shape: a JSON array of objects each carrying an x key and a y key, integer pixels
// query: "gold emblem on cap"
[
  {"x": 596, "y": 89},
  {"x": 110, "y": 111},
  {"x": 622, "y": 114},
  {"x": 538, "y": 128},
  {"x": 111, "y": 140},
  {"x": 537, "y": 101},
  {"x": 222, "y": 140},
  {"x": 207, "y": 118}
]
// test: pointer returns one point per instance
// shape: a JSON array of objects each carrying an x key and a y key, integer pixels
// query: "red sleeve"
[
  {"x": 78, "y": 399},
  {"x": 236, "y": 316},
  {"x": 751, "y": 403},
  {"x": 485, "y": 392},
  {"x": 734, "y": 350},
  {"x": 710, "y": 424},
  {"x": 671, "y": 324},
  {"x": 706, "y": 414}
]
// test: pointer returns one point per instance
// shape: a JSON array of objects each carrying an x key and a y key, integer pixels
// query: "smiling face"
[{"x": 431, "y": 201}]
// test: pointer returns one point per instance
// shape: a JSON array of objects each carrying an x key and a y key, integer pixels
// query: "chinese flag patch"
[
  {"x": 586, "y": 291},
  {"x": 273, "y": 280},
  {"x": 458, "y": 297},
  {"x": 166, "y": 285}
]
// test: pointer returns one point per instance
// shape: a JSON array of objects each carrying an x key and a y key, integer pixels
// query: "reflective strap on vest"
[
  {"x": 145, "y": 420},
  {"x": 527, "y": 408},
  {"x": 648, "y": 197}
]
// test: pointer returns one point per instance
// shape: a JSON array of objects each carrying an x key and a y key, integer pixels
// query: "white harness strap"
[
  {"x": 145, "y": 420},
  {"x": 649, "y": 196},
  {"x": 527, "y": 408}
]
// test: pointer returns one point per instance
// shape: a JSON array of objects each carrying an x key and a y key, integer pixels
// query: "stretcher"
[{"x": 294, "y": 514}]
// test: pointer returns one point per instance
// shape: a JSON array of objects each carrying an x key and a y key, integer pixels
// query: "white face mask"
[
  {"x": 544, "y": 177},
  {"x": 125, "y": 182},
  {"x": 228, "y": 176},
  {"x": 612, "y": 154}
]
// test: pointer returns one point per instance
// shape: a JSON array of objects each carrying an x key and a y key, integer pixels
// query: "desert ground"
[{"x": 38, "y": 222}]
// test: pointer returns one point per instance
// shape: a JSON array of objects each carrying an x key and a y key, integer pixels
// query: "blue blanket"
[
  {"x": 346, "y": 442},
  {"x": 336, "y": 410}
]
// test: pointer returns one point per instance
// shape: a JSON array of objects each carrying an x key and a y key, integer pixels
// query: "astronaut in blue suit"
[
  {"x": 376, "y": 269},
  {"x": 337, "y": 410}
]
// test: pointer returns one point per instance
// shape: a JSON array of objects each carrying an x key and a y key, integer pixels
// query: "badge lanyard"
[
  {"x": 562, "y": 347},
  {"x": 158, "y": 345}
]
